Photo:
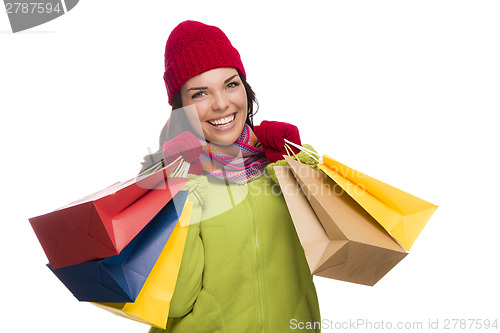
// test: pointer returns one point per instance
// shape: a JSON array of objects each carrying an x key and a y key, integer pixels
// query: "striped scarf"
[{"x": 241, "y": 162}]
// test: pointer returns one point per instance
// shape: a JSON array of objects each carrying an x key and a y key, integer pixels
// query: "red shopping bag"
[{"x": 102, "y": 224}]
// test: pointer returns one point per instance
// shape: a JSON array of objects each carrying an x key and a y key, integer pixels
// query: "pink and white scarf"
[{"x": 240, "y": 162}]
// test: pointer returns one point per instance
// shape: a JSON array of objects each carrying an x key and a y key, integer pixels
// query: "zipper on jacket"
[{"x": 257, "y": 261}]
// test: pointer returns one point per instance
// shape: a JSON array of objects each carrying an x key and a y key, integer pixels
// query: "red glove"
[
  {"x": 187, "y": 146},
  {"x": 272, "y": 135}
]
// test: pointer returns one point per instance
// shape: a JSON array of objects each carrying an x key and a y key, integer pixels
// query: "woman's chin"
[{"x": 223, "y": 140}]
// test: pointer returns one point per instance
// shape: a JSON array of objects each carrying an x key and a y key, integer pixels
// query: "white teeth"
[{"x": 223, "y": 121}]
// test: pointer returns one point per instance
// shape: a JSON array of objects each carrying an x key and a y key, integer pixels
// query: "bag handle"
[
  {"x": 180, "y": 171},
  {"x": 182, "y": 168},
  {"x": 304, "y": 149}
]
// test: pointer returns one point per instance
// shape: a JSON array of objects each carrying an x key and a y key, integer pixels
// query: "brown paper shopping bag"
[
  {"x": 340, "y": 239},
  {"x": 403, "y": 215}
]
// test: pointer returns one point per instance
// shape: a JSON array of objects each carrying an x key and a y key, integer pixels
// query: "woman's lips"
[{"x": 223, "y": 122}]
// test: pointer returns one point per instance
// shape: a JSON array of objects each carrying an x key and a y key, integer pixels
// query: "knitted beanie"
[{"x": 194, "y": 48}]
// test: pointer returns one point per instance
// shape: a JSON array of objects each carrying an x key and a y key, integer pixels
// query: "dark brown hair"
[{"x": 178, "y": 123}]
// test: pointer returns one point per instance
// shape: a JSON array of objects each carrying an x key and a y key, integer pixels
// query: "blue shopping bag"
[{"x": 119, "y": 278}]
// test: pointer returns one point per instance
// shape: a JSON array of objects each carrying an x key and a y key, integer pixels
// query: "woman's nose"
[{"x": 220, "y": 102}]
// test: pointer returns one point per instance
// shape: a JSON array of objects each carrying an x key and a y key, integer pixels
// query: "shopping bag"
[
  {"x": 120, "y": 278},
  {"x": 152, "y": 305},
  {"x": 102, "y": 224},
  {"x": 401, "y": 214},
  {"x": 340, "y": 239}
]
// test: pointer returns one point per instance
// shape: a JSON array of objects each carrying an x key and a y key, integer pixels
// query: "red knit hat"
[{"x": 194, "y": 48}]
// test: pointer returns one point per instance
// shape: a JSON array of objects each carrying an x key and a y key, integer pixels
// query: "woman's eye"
[
  {"x": 233, "y": 84},
  {"x": 198, "y": 94}
]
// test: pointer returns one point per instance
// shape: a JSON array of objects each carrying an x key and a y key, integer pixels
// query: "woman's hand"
[
  {"x": 187, "y": 146},
  {"x": 272, "y": 135}
]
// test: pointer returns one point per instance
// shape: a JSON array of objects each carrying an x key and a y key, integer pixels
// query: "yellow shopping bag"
[
  {"x": 153, "y": 302},
  {"x": 401, "y": 214}
]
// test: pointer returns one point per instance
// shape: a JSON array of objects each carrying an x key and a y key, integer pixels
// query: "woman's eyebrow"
[
  {"x": 229, "y": 79},
  {"x": 197, "y": 88}
]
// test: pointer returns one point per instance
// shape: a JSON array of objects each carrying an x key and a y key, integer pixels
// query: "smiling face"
[{"x": 221, "y": 104}]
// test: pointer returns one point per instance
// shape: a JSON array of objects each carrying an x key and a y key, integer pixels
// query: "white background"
[{"x": 405, "y": 91}]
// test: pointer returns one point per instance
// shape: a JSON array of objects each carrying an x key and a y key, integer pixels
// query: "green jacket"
[{"x": 243, "y": 269}]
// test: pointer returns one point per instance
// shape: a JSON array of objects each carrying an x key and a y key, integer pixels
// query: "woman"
[{"x": 243, "y": 268}]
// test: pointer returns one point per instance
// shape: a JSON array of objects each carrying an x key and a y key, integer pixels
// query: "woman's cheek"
[{"x": 195, "y": 116}]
